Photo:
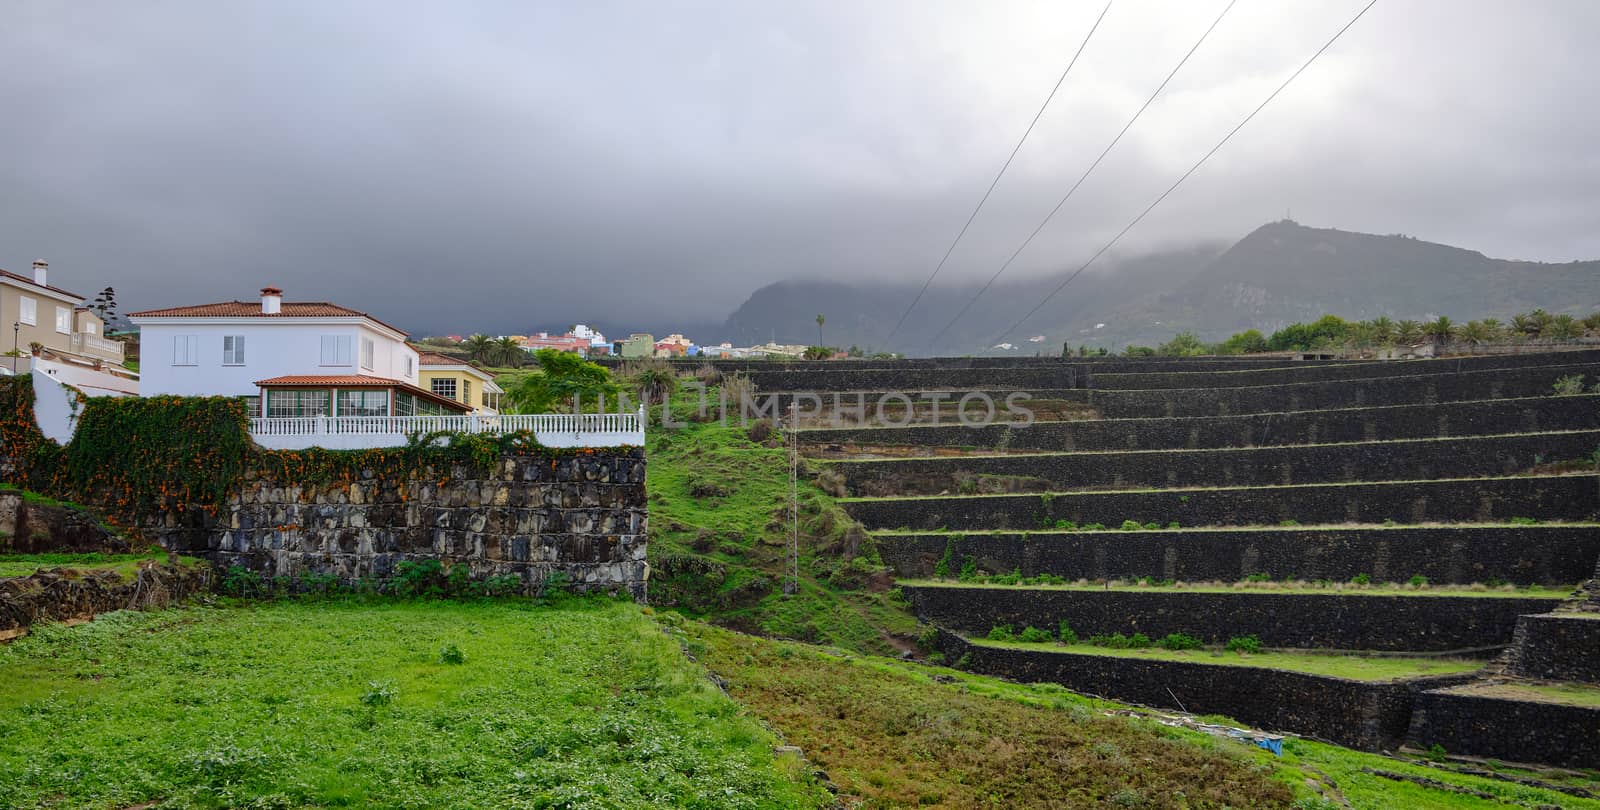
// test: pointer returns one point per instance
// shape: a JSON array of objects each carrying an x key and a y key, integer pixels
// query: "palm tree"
[
  {"x": 1408, "y": 332},
  {"x": 1441, "y": 330},
  {"x": 1476, "y": 332},
  {"x": 508, "y": 352},
  {"x": 1592, "y": 323},
  {"x": 1562, "y": 327},
  {"x": 820, "y": 320},
  {"x": 1537, "y": 321},
  {"x": 1495, "y": 329},
  {"x": 1383, "y": 329},
  {"x": 480, "y": 348},
  {"x": 654, "y": 383}
]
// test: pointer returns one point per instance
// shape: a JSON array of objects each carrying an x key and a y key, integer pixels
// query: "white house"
[{"x": 298, "y": 358}]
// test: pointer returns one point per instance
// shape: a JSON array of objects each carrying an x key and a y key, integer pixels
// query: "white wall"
[{"x": 273, "y": 348}]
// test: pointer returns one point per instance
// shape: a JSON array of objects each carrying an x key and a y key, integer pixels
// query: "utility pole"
[{"x": 793, "y": 585}]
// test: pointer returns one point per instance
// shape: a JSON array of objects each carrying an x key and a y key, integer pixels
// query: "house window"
[
  {"x": 466, "y": 391},
  {"x": 185, "y": 350},
  {"x": 89, "y": 327},
  {"x": 363, "y": 403},
  {"x": 30, "y": 310},
  {"x": 252, "y": 406},
  {"x": 233, "y": 350},
  {"x": 444, "y": 387},
  {"x": 367, "y": 350},
  {"x": 408, "y": 366},
  {"x": 282, "y": 404},
  {"x": 64, "y": 320},
  {"x": 335, "y": 350},
  {"x": 405, "y": 405}
]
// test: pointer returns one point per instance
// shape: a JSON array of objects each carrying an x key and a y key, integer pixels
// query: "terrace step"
[
  {"x": 1406, "y": 459},
  {"x": 1558, "y": 647},
  {"x": 1315, "y": 619},
  {"x": 1195, "y": 378},
  {"x": 1546, "y": 497},
  {"x": 1383, "y": 423},
  {"x": 1511, "y": 722},
  {"x": 1369, "y": 714},
  {"x": 842, "y": 377},
  {"x": 1458, "y": 555},
  {"x": 1514, "y": 382}
]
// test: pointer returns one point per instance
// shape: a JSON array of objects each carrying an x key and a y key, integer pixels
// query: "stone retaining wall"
[
  {"x": 1559, "y": 647},
  {"x": 1424, "y": 421},
  {"x": 1182, "y": 378},
  {"x": 1564, "y": 497},
  {"x": 62, "y": 595},
  {"x": 1520, "y": 381},
  {"x": 1512, "y": 730},
  {"x": 583, "y": 515},
  {"x": 1332, "y": 621},
  {"x": 1549, "y": 555},
  {"x": 845, "y": 378},
  {"x": 1408, "y": 460},
  {"x": 29, "y": 527},
  {"x": 1369, "y": 715}
]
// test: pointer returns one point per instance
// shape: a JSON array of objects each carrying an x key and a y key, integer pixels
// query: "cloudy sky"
[{"x": 513, "y": 166}]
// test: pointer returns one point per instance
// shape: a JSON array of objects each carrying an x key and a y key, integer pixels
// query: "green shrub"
[
  {"x": 1569, "y": 385},
  {"x": 1289, "y": 522},
  {"x": 928, "y": 638},
  {"x": 941, "y": 569},
  {"x": 1049, "y": 579},
  {"x": 419, "y": 578},
  {"x": 1066, "y": 634},
  {"x": 379, "y": 693},
  {"x": 502, "y": 585},
  {"x": 1417, "y": 581},
  {"x": 1118, "y": 641},
  {"x": 1173, "y": 525},
  {"x": 242, "y": 582},
  {"x": 1094, "y": 527},
  {"x": 1179, "y": 641},
  {"x": 1034, "y": 635},
  {"x": 1361, "y": 579},
  {"x": 1152, "y": 526},
  {"x": 451, "y": 654},
  {"x": 1244, "y": 644},
  {"x": 969, "y": 570},
  {"x": 1131, "y": 526},
  {"x": 1259, "y": 576},
  {"x": 1002, "y": 632},
  {"x": 1007, "y": 579},
  {"x": 1064, "y": 525},
  {"x": 1524, "y": 521},
  {"x": 1436, "y": 752}
]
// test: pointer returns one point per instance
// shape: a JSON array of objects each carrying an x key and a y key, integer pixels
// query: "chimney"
[
  {"x": 41, "y": 272},
  {"x": 271, "y": 300}
]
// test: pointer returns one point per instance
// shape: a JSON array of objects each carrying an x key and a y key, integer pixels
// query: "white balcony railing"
[
  {"x": 85, "y": 343},
  {"x": 357, "y": 432}
]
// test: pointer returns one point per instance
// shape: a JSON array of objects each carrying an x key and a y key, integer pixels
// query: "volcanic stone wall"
[
  {"x": 28, "y": 527},
  {"x": 1311, "y": 620},
  {"x": 1559, "y": 647},
  {"x": 1327, "y": 373},
  {"x": 583, "y": 515},
  {"x": 847, "y": 378},
  {"x": 1419, "y": 459},
  {"x": 1513, "y": 730},
  {"x": 1423, "y": 421},
  {"x": 1548, "y": 555},
  {"x": 1562, "y": 497},
  {"x": 1368, "y": 715},
  {"x": 1494, "y": 384}
]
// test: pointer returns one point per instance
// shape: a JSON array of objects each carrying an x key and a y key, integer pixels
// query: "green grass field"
[
  {"x": 1354, "y": 667},
  {"x": 1572, "y": 694},
  {"x": 325, "y": 704}
]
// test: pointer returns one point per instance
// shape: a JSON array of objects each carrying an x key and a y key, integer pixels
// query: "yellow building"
[{"x": 457, "y": 379}]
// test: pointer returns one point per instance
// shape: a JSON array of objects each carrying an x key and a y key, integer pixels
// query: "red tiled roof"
[
  {"x": 356, "y": 381},
  {"x": 252, "y": 309},
  {"x": 441, "y": 359},
  {"x": 26, "y": 280}
]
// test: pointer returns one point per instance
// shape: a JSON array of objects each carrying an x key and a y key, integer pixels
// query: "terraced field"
[{"x": 1390, "y": 548}]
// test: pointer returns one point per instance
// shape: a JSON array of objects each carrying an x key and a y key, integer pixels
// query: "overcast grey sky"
[{"x": 509, "y": 166}]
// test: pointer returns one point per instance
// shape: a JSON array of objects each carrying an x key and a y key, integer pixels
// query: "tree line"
[{"x": 1332, "y": 333}]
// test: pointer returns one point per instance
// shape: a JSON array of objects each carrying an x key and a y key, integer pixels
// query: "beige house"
[{"x": 52, "y": 317}]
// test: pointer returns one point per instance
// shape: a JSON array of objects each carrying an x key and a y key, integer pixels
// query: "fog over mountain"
[
  {"x": 1278, "y": 274},
  {"x": 510, "y": 166}
]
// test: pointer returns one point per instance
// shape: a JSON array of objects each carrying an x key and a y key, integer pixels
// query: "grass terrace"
[
  {"x": 1353, "y": 667},
  {"x": 1180, "y": 490},
  {"x": 127, "y": 565},
  {"x": 1264, "y": 585},
  {"x": 1571, "y": 694},
  {"x": 1070, "y": 528}
]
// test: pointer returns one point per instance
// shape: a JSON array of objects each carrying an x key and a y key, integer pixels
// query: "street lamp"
[{"x": 16, "y": 332}]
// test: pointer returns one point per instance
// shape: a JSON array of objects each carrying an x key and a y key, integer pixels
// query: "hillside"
[{"x": 1278, "y": 274}]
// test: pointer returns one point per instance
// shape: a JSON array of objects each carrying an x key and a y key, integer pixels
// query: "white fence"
[{"x": 360, "y": 432}]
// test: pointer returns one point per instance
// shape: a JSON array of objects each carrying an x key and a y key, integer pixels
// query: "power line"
[
  {"x": 1192, "y": 169},
  {"x": 1086, "y": 173},
  {"x": 1002, "y": 173}
]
